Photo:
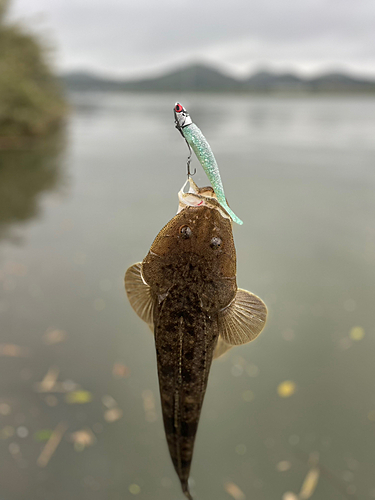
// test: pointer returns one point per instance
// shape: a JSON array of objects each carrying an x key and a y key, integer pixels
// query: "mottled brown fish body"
[
  {"x": 198, "y": 281},
  {"x": 185, "y": 290},
  {"x": 183, "y": 378}
]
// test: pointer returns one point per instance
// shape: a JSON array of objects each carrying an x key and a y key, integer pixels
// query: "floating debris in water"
[
  {"x": 283, "y": 466},
  {"x": 109, "y": 401},
  {"x": 134, "y": 489},
  {"x": 286, "y": 389},
  {"x": 49, "y": 380},
  {"x": 14, "y": 449},
  {"x": 50, "y": 384},
  {"x": 120, "y": 370},
  {"x": 112, "y": 415},
  {"x": 5, "y": 409},
  {"x": 149, "y": 405},
  {"x": 236, "y": 370},
  {"x": 52, "y": 444},
  {"x": 289, "y": 495},
  {"x": 54, "y": 336},
  {"x": 309, "y": 484},
  {"x": 357, "y": 333},
  {"x": 42, "y": 435},
  {"x": 82, "y": 439},
  {"x": 22, "y": 432},
  {"x": 78, "y": 397},
  {"x": 14, "y": 351},
  {"x": 234, "y": 491},
  {"x": 6, "y": 432}
]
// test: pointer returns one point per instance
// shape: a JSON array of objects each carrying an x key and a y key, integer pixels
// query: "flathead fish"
[{"x": 185, "y": 290}]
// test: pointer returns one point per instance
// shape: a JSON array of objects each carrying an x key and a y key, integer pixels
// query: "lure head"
[{"x": 181, "y": 116}]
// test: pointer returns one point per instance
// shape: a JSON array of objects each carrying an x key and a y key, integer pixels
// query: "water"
[{"x": 73, "y": 217}]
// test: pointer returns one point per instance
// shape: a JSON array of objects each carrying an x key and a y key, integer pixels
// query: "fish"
[
  {"x": 197, "y": 141},
  {"x": 185, "y": 289}
]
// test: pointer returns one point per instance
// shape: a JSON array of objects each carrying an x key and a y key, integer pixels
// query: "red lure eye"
[{"x": 178, "y": 108}]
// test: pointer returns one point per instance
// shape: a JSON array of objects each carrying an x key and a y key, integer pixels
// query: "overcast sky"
[{"x": 136, "y": 37}]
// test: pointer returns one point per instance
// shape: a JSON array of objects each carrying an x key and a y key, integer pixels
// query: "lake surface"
[{"x": 75, "y": 214}]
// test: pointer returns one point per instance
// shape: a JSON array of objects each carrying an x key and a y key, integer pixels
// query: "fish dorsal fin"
[
  {"x": 139, "y": 294},
  {"x": 221, "y": 348},
  {"x": 243, "y": 320}
]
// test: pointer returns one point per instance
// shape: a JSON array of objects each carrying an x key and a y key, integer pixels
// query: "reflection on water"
[
  {"x": 79, "y": 406},
  {"x": 24, "y": 176}
]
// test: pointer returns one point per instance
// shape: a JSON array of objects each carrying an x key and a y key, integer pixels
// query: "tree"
[{"x": 31, "y": 100}]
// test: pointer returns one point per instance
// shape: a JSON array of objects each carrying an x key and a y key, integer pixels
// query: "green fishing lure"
[{"x": 197, "y": 141}]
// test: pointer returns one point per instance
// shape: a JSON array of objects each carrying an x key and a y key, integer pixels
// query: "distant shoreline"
[{"x": 200, "y": 78}]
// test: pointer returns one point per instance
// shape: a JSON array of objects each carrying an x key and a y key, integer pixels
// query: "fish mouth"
[{"x": 199, "y": 197}]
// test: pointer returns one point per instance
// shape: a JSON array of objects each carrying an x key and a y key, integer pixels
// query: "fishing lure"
[{"x": 197, "y": 141}]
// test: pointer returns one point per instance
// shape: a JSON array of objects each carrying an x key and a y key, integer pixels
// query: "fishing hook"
[
  {"x": 189, "y": 174},
  {"x": 188, "y": 161}
]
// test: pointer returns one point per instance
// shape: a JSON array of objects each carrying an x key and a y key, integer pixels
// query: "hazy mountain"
[
  {"x": 340, "y": 81},
  {"x": 265, "y": 80},
  {"x": 195, "y": 77},
  {"x": 200, "y": 78}
]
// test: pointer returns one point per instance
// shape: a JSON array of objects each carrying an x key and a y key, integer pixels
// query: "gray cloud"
[{"x": 128, "y": 37}]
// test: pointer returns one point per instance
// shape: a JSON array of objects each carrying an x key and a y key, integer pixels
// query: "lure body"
[{"x": 198, "y": 143}]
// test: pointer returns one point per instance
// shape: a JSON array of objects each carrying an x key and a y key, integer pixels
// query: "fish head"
[
  {"x": 196, "y": 197},
  {"x": 196, "y": 246},
  {"x": 181, "y": 116}
]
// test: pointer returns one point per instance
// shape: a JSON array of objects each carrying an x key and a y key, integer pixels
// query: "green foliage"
[{"x": 31, "y": 101}]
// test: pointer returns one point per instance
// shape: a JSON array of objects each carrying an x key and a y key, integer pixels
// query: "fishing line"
[{"x": 188, "y": 161}]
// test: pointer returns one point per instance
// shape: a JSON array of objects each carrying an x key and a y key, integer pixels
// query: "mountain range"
[{"x": 201, "y": 78}]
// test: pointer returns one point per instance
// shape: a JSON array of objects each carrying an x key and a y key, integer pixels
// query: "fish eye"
[
  {"x": 185, "y": 232},
  {"x": 178, "y": 108},
  {"x": 215, "y": 242}
]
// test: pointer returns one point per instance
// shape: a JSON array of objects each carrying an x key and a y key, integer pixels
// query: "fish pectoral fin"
[
  {"x": 139, "y": 294},
  {"x": 221, "y": 348},
  {"x": 243, "y": 320}
]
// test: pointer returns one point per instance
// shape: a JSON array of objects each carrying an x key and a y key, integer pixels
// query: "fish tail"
[{"x": 185, "y": 490}]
